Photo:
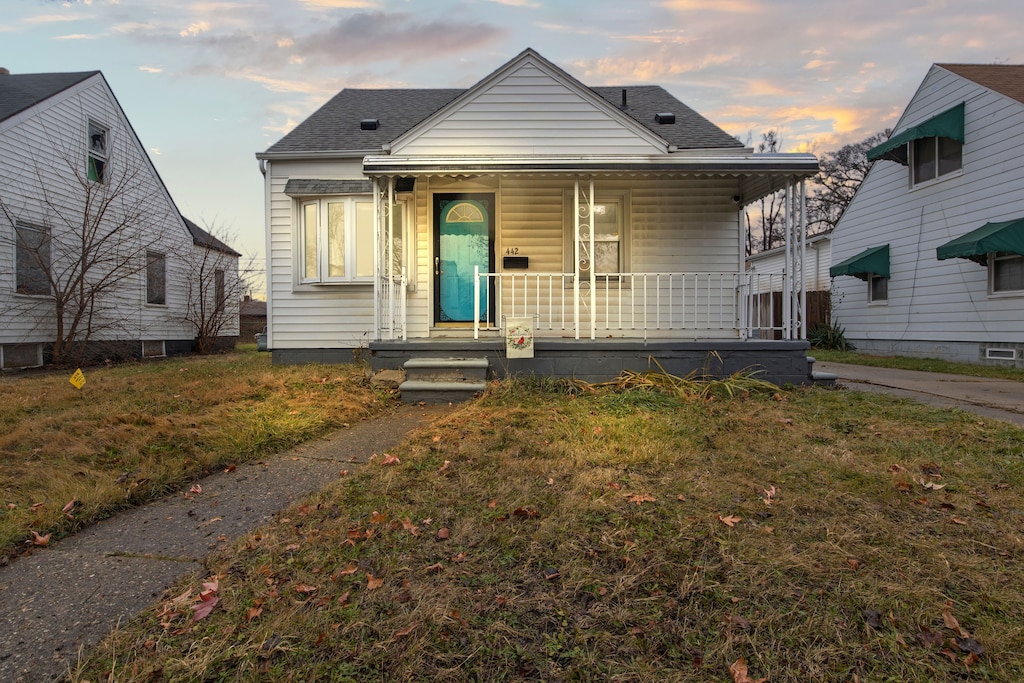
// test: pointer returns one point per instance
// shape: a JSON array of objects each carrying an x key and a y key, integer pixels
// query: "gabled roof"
[
  {"x": 335, "y": 127},
  {"x": 1005, "y": 79},
  {"x": 18, "y": 92},
  {"x": 202, "y": 238}
]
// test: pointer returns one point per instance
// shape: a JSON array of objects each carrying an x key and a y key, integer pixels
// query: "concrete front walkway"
[
  {"x": 63, "y": 598},
  {"x": 999, "y": 399}
]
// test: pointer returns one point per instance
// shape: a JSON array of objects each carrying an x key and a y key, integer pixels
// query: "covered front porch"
[{"x": 598, "y": 262}]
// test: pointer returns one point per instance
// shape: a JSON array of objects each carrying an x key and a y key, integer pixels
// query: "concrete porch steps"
[{"x": 443, "y": 380}]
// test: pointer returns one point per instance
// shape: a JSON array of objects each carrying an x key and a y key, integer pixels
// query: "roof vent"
[
  {"x": 666, "y": 117},
  {"x": 369, "y": 124},
  {"x": 623, "y": 105}
]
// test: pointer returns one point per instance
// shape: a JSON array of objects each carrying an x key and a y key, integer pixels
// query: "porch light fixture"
[
  {"x": 369, "y": 124},
  {"x": 665, "y": 117}
]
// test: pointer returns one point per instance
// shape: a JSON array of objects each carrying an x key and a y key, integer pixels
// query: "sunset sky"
[{"x": 208, "y": 84}]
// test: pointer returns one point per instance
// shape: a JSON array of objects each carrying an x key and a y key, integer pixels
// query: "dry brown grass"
[
  {"x": 674, "y": 555},
  {"x": 138, "y": 431}
]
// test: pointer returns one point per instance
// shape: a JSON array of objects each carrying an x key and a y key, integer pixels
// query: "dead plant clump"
[
  {"x": 567, "y": 532},
  {"x": 136, "y": 432}
]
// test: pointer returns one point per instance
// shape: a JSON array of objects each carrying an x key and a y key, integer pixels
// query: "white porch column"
[
  {"x": 583, "y": 231},
  {"x": 383, "y": 258},
  {"x": 787, "y": 274},
  {"x": 803, "y": 259}
]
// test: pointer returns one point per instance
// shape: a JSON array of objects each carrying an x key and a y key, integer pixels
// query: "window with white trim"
[
  {"x": 610, "y": 224},
  {"x": 156, "y": 278},
  {"x": 1006, "y": 272},
  {"x": 934, "y": 157},
  {"x": 878, "y": 289},
  {"x": 336, "y": 240},
  {"x": 96, "y": 155},
  {"x": 32, "y": 259}
]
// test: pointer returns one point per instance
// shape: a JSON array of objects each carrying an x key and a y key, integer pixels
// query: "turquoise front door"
[{"x": 463, "y": 240}]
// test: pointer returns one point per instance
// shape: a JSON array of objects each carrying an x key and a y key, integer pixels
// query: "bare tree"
[
  {"x": 833, "y": 188},
  {"x": 83, "y": 224},
  {"x": 766, "y": 221},
  {"x": 216, "y": 282}
]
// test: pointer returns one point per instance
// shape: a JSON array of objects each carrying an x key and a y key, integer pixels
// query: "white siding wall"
[
  {"x": 335, "y": 316},
  {"x": 528, "y": 112},
  {"x": 816, "y": 277},
  {"x": 41, "y": 149},
  {"x": 931, "y": 300}
]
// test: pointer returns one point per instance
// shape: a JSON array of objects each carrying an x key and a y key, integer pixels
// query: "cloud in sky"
[{"x": 824, "y": 73}]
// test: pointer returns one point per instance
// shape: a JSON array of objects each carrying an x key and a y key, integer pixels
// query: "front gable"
[{"x": 529, "y": 107}]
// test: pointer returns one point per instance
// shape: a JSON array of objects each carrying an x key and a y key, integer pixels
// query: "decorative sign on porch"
[{"x": 519, "y": 337}]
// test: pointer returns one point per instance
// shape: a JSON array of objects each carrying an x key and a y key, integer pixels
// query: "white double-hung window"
[{"x": 336, "y": 240}]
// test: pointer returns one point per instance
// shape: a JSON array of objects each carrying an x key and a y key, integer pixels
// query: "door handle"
[{"x": 437, "y": 265}]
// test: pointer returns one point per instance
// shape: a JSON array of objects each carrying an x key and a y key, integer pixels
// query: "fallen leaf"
[
  {"x": 551, "y": 481},
  {"x": 406, "y": 631},
  {"x": 930, "y": 638},
  {"x": 305, "y": 588},
  {"x": 493, "y": 503},
  {"x": 873, "y": 618},
  {"x": 640, "y": 498},
  {"x": 729, "y": 521},
  {"x": 971, "y": 659},
  {"x": 203, "y": 609},
  {"x": 854, "y": 563},
  {"x": 390, "y": 460},
  {"x": 253, "y": 613},
  {"x": 957, "y": 520},
  {"x": 72, "y": 504},
  {"x": 446, "y": 465},
  {"x": 343, "y": 598},
  {"x": 230, "y": 468},
  {"x": 931, "y": 485},
  {"x": 970, "y": 645},
  {"x": 897, "y": 468},
  {"x": 372, "y": 582},
  {"x": 438, "y": 567},
  {"x": 410, "y": 527},
  {"x": 443, "y": 534},
  {"x": 35, "y": 506},
  {"x": 738, "y": 669},
  {"x": 769, "y": 494},
  {"x": 40, "y": 540},
  {"x": 526, "y": 513},
  {"x": 550, "y": 574},
  {"x": 196, "y": 488},
  {"x": 734, "y": 622}
]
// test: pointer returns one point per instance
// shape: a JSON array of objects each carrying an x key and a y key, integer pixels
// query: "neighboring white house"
[
  {"x": 929, "y": 256},
  {"x": 87, "y": 227},
  {"x": 817, "y": 261},
  {"x": 769, "y": 273},
  {"x": 605, "y": 221}
]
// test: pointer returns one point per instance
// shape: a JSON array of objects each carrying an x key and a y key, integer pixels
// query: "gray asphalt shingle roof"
[
  {"x": 18, "y": 92},
  {"x": 202, "y": 238},
  {"x": 335, "y": 126}
]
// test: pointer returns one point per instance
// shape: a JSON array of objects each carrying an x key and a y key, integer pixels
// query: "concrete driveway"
[{"x": 999, "y": 399}]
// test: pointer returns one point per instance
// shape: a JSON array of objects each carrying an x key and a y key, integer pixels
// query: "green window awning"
[
  {"x": 1007, "y": 236},
  {"x": 873, "y": 261},
  {"x": 948, "y": 124}
]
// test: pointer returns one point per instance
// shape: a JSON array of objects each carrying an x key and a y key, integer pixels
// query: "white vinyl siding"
[
  {"x": 41, "y": 151},
  {"x": 528, "y": 111},
  {"x": 931, "y": 300}
]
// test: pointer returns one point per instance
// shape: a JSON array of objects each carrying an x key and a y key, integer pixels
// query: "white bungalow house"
[
  {"x": 929, "y": 256},
  {"x": 94, "y": 255},
  {"x": 588, "y": 229}
]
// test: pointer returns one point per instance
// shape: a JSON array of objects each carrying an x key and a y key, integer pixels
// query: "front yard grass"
[
  {"x": 556, "y": 532},
  {"x": 135, "y": 432}
]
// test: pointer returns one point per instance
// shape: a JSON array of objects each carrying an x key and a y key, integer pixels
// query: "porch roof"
[{"x": 762, "y": 173}]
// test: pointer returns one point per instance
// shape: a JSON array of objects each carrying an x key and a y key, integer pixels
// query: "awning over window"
[
  {"x": 873, "y": 261},
  {"x": 948, "y": 124},
  {"x": 975, "y": 245},
  {"x": 307, "y": 187}
]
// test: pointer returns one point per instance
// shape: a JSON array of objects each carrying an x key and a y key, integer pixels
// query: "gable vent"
[
  {"x": 667, "y": 117},
  {"x": 369, "y": 124}
]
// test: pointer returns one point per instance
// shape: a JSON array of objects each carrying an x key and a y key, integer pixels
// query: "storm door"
[{"x": 463, "y": 239}]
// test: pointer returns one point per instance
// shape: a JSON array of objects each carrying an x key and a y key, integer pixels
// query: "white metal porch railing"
[{"x": 634, "y": 304}]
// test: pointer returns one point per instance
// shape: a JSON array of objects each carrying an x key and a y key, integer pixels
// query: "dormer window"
[{"x": 97, "y": 152}]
